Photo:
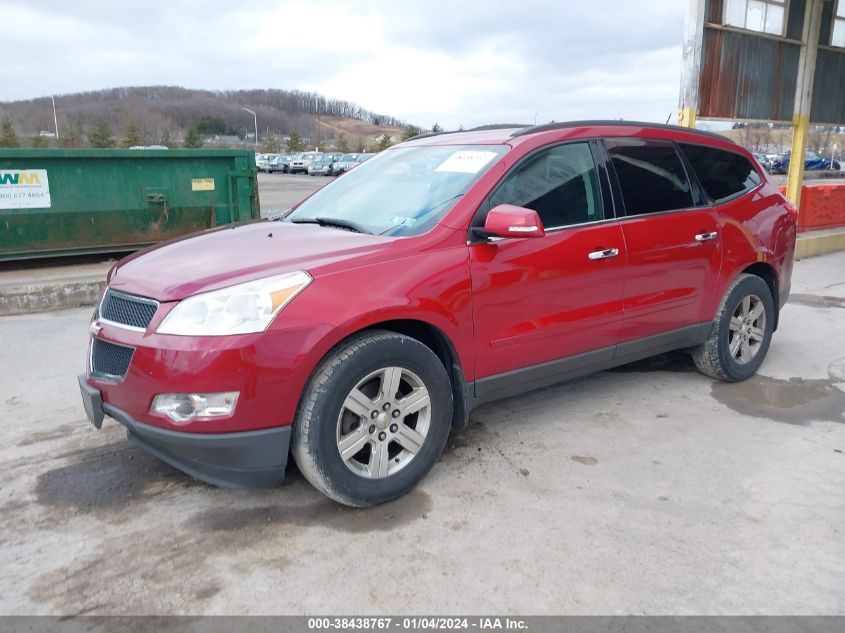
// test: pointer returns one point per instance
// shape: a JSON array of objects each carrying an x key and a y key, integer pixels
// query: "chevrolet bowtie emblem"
[{"x": 95, "y": 328}]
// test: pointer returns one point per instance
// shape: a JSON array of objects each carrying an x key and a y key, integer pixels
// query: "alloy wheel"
[{"x": 383, "y": 422}]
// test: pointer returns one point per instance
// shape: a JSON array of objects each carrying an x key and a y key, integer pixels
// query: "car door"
[
  {"x": 548, "y": 306},
  {"x": 674, "y": 249}
]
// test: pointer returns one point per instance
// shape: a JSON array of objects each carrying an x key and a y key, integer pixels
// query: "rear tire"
[
  {"x": 373, "y": 420},
  {"x": 740, "y": 335}
]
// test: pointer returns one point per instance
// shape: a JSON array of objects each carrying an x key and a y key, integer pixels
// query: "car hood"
[{"x": 237, "y": 253}]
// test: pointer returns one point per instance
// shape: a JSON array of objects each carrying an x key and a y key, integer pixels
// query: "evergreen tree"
[
  {"x": 39, "y": 141},
  {"x": 166, "y": 139},
  {"x": 383, "y": 143},
  {"x": 342, "y": 143},
  {"x": 410, "y": 132},
  {"x": 271, "y": 145},
  {"x": 8, "y": 138},
  {"x": 70, "y": 137},
  {"x": 360, "y": 146},
  {"x": 193, "y": 138},
  {"x": 436, "y": 129},
  {"x": 294, "y": 142},
  {"x": 131, "y": 137},
  {"x": 100, "y": 135}
]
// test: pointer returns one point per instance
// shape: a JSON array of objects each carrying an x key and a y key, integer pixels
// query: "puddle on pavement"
[
  {"x": 794, "y": 401},
  {"x": 106, "y": 478},
  {"x": 817, "y": 301},
  {"x": 320, "y": 513}
]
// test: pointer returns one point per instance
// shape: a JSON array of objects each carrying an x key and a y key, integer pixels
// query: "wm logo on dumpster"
[
  {"x": 20, "y": 178},
  {"x": 24, "y": 189}
]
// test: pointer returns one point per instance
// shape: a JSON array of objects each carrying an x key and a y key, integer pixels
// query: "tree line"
[{"x": 154, "y": 109}]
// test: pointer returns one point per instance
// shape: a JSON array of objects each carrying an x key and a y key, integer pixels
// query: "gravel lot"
[
  {"x": 648, "y": 489},
  {"x": 278, "y": 191}
]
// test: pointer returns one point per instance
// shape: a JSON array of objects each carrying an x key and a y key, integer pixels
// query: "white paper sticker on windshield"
[{"x": 466, "y": 162}]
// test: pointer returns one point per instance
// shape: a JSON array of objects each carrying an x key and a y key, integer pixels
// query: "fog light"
[{"x": 182, "y": 407}]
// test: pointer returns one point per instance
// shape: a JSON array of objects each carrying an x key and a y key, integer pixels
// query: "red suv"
[{"x": 448, "y": 271}]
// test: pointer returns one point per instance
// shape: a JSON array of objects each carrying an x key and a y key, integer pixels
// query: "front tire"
[
  {"x": 740, "y": 335},
  {"x": 373, "y": 419}
]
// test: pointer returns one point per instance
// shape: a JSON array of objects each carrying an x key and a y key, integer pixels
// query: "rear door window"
[
  {"x": 722, "y": 174},
  {"x": 651, "y": 176}
]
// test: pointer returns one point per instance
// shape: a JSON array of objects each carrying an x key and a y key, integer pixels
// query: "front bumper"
[{"x": 251, "y": 459}]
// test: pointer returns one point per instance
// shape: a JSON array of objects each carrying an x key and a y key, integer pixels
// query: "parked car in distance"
[
  {"x": 262, "y": 161},
  {"x": 812, "y": 162},
  {"x": 360, "y": 330},
  {"x": 302, "y": 160},
  {"x": 765, "y": 161},
  {"x": 361, "y": 159},
  {"x": 322, "y": 166},
  {"x": 343, "y": 163},
  {"x": 279, "y": 164}
]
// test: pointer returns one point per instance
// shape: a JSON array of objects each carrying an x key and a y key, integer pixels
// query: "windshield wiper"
[{"x": 333, "y": 222}]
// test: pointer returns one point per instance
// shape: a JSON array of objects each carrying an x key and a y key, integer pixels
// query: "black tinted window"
[
  {"x": 651, "y": 176},
  {"x": 722, "y": 174},
  {"x": 559, "y": 183}
]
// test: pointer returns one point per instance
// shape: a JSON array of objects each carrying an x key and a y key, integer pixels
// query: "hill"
[{"x": 169, "y": 112}]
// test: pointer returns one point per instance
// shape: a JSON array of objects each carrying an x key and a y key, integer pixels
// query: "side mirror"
[{"x": 507, "y": 220}]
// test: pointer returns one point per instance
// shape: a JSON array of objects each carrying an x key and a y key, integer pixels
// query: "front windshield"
[{"x": 402, "y": 191}]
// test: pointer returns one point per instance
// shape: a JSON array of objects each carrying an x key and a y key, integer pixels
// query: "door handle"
[
  {"x": 703, "y": 237},
  {"x": 604, "y": 254}
]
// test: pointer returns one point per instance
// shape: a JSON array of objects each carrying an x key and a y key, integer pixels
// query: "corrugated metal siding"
[
  {"x": 829, "y": 88},
  {"x": 747, "y": 77},
  {"x": 713, "y": 11}
]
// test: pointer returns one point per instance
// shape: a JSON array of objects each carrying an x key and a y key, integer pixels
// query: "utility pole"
[
  {"x": 693, "y": 41},
  {"x": 255, "y": 120},
  {"x": 55, "y": 118},
  {"x": 803, "y": 99},
  {"x": 317, "y": 112}
]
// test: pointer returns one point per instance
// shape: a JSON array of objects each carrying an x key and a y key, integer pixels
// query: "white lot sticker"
[
  {"x": 466, "y": 162},
  {"x": 202, "y": 184},
  {"x": 24, "y": 189}
]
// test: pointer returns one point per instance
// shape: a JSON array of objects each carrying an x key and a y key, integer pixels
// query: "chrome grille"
[
  {"x": 109, "y": 360},
  {"x": 128, "y": 310}
]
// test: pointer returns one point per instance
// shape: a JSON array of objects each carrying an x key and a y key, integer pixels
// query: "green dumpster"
[{"x": 76, "y": 201}]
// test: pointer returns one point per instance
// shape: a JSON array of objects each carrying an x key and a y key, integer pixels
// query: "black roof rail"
[
  {"x": 497, "y": 126},
  {"x": 480, "y": 128},
  {"x": 614, "y": 122},
  {"x": 427, "y": 134}
]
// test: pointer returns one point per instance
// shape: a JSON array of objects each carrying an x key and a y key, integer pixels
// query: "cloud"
[{"x": 452, "y": 62}]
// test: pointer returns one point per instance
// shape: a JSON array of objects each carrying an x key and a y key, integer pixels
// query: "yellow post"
[
  {"x": 795, "y": 177},
  {"x": 686, "y": 117},
  {"x": 803, "y": 99}
]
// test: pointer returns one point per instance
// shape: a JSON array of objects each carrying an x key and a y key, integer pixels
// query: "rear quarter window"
[{"x": 722, "y": 174}]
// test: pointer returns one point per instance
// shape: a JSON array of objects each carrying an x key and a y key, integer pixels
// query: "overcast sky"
[{"x": 454, "y": 62}]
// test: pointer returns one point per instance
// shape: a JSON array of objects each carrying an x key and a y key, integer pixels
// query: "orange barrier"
[{"x": 822, "y": 206}]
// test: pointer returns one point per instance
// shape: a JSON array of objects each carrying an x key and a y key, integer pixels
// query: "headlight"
[{"x": 242, "y": 309}]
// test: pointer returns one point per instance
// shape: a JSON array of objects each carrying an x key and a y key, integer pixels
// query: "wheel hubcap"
[
  {"x": 383, "y": 422},
  {"x": 747, "y": 329}
]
